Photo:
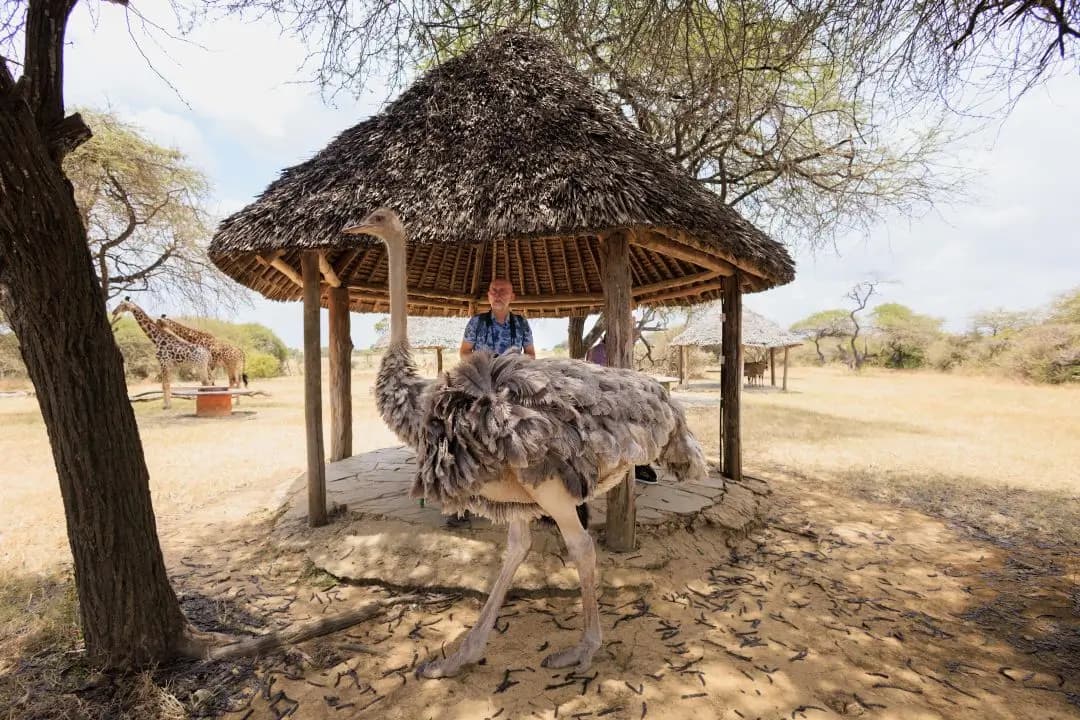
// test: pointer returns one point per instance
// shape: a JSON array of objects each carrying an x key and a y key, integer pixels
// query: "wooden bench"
[{"x": 666, "y": 380}]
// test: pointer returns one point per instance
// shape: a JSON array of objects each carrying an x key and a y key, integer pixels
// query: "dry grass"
[
  {"x": 997, "y": 454},
  {"x": 994, "y": 455}
]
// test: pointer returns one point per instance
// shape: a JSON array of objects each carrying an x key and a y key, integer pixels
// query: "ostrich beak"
[{"x": 362, "y": 228}]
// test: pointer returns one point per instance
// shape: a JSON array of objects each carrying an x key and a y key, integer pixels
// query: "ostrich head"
[{"x": 383, "y": 223}]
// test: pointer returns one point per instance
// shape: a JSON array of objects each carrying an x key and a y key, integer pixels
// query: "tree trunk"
[
  {"x": 731, "y": 375},
  {"x": 341, "y": 348},
  {"x": 575, "y": 338},
  {"x": 48, "y": 291},
  {"x": 621, "y": 535}
]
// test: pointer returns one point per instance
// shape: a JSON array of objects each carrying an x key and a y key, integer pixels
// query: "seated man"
[{"x": 498, "y": 330}]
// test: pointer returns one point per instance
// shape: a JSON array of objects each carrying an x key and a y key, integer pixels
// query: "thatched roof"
[
  {"x": 429, "y": 332},
  {"x": 502, "y": 162},
  {"x": 705, "y": 328}
]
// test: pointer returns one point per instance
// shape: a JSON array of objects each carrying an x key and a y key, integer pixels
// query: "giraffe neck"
[
  {"x": 189, "y": 333},
  {"x": 156, "y": 334}
]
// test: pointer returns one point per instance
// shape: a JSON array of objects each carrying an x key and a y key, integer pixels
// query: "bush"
[
  {"x": 948, "y": 352},
  {"x": 262, "y": 365},
  {"x": 1046, "y": 354},
  {"x": 11, "y": 364}
]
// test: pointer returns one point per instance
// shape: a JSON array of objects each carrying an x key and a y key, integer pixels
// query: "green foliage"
[
  {"x": 1065, "y": 310},
  {"x": 1047, "y": 353},
  {"x": 834, "y": 323},
  {"x": 144, "y": 208},
  {"x": 139, "y": 360},
  {"x": 262, "y": 365},
  {"x": 904, "y": 334}
]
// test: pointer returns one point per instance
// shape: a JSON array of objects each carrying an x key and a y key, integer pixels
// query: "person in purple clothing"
[{"x": 598, "y": 354}]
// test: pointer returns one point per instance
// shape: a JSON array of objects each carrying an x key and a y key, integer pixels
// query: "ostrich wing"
[{"x": 541, "y": 418}]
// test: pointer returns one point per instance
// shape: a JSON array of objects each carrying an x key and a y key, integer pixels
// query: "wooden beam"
[
  {"x": 785, "y": 368},
  {"x": 772, "y": 365},
  {"x": 287, "y": 270},
  {"x": 673, "y": 283},
  {"x": 748, "y": 267},
  {"x": 683, "y": 292},
  {"x": 328, "y": 272},
  {"x": 438, "y": 360},
  {"x": 684, "y": 359},
  {"x": 731, "y": 378},
  {"x": 340, "y": 375},
  {"x": 668, "y": 246},
  {"x": 621, "y": 513},
  {"x": 316, "y": 469}
]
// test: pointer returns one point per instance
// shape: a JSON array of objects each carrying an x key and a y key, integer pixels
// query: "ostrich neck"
[{"x": 395, "y": 255}]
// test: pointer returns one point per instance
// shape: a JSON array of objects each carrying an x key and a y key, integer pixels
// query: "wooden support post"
[
  {"x": 575, "y": 337},
  {"x": 618, "y": 311},
  {"x": 684, "y": 364},
  {"x": 772, "y": 365},
  {"x": 438, "y": 360},
  {"x": 316, "y": 470},
  {"x": 340, "y": 375},
  {"x": 785, "y": 369},
  {"x": 731, "y": 377}
]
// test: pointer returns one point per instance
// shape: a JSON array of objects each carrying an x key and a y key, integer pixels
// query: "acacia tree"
[
  {"x": 824, "y": 324},
  {"x": 859, "y": 295},
  {"x": 143, "y": 207},
  {"x": 905, "y": 333}
]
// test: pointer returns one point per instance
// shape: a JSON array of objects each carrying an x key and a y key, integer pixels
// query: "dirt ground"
[{"x": 924, "y": 606}]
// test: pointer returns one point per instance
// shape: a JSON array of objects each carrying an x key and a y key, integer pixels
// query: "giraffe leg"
[
  {"x": 166, "y": 385},
  {"x": 518, "y": 542},
  {"x": 553, "y": 497}
]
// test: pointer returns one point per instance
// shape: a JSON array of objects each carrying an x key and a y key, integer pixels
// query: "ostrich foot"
[
  {"x": 444, "y": 667},
  {"x": 580, "y": 655}
]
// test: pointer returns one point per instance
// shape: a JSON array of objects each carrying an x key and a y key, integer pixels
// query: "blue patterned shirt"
[{"x": 489, "y": 335}]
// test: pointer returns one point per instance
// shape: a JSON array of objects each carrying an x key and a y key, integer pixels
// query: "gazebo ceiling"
[{"x": 503, "y": 162}]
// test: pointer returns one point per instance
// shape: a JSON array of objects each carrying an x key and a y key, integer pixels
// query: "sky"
[{"x": 230, "y": 96}]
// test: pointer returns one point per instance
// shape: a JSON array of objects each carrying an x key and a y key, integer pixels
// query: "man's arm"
[
  {"x": 527, "y": 341},
  {"x": 466, "y": 349}
]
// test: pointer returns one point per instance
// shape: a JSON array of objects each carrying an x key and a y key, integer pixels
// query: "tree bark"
[
  {"x": 575, "y": 338},
  {"x": 52, "y": 299},
  {"x": 618, "y": 310},
  {"x": 340, "y": 375},
  {"x": 731, "y": 377},
  {"x": 316, "y": 468}
]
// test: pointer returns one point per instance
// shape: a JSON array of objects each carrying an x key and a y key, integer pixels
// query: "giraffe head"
[{"x": 125, "y": 306}]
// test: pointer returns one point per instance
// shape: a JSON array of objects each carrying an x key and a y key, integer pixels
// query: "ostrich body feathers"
[{"x": 533, "y": 419}]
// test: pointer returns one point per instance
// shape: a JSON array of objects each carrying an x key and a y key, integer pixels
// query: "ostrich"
[{"x": 512, "y": 438}]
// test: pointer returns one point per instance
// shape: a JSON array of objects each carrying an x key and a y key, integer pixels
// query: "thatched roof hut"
[
  {"x": 429, "y": 333},
  {"x": 705, "y": 329},
  {"x": 504, "y": 162}
]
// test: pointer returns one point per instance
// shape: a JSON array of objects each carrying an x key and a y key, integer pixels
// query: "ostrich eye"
[{"x": 378, "y": 218}]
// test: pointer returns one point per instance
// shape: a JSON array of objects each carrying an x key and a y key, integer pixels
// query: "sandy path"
[{"x": 835, "y": 608}]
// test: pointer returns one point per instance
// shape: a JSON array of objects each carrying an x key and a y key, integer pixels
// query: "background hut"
[
  {"x": 705, "y": 328},
  {"x": 502, "y": 162},
  {"x": 430, "y": 333}
]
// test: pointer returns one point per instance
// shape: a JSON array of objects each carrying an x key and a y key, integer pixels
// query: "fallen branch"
[{"x": 211, "y": 647}]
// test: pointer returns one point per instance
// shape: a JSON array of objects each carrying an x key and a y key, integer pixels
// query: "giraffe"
[
  {"x": 222, "y": 353},
  {"x": 171, "y": 351}
]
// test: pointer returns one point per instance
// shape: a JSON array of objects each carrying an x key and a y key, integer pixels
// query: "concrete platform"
[{"x": 381, "y": 535}]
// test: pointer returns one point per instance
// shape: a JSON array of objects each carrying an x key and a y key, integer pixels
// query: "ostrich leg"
[
  {"x": 557, "y": 502},
  {"x": 518, "y": 542}
]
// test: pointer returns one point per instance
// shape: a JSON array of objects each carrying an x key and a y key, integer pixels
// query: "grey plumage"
[{"x": 534, "y": 418}]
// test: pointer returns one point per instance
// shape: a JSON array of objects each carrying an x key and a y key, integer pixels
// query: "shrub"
[
  {"x": 262, "y": 365},
  {"x": 1045, "y": 353},
  {"x": 948, "y": 352}
]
